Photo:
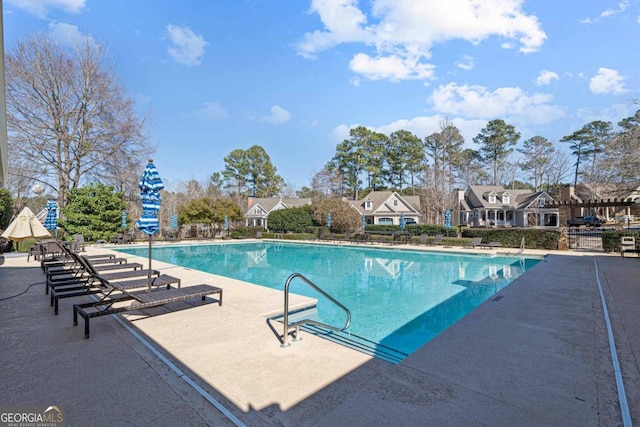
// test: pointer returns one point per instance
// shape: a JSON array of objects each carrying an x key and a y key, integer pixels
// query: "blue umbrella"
[
  {"x": 174, "y": 221},
  {"x": 150, "y": 185},
  {"x": 447, "y": 219},
  {"x": 329, "y": 221},
  {"x": 364, "y": 222},
  {"x": 51, "y": 221},
  {"x": 402, "y": 221},
  {"x": 226, "y": 222},
  {"x": 124, "y": 220}
]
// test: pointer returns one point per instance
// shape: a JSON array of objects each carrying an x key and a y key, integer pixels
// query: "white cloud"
[
  {"x": 40, "y": 8},
  {"x": 391, "y": 67},
  {"x": 466, "y": 63},
  {"x": 546, "y": 77},
  {"x": 401, "y": 33},
  {"x": 278, "y": 116},
  {"x": 69, "y": 35},
  {"x": 211, "y": 111},
  {"x": 607, "y": 81},
  {"x": 186, "y": 47},
  {"x": 622, "y": 6},
  {"x": 479, "y": 102}
]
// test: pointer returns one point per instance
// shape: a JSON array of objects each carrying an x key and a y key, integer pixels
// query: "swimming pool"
[{"x": 399, "y": 299}]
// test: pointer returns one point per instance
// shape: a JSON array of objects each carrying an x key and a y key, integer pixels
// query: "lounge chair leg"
[
  {"x": 75, "y": 315},
  {"x": 55, "y": 308}
]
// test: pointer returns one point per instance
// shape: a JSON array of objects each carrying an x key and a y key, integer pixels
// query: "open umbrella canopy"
[
  {"x": 51, "y": 221},
  {"x": 25, "y": 226}
]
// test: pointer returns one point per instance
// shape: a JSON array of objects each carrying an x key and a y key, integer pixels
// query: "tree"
[
  {"x": 197, "y": 211},
  {"x": 262, "y": 173},
  {"x": 351, "y": 157},
  {"x": 236, "y": 171},
  {"x": 343, "y": 216},
  {"x": 496, "y": 142},
  {"x": 94, "y": 211},
  {"x": 470, "y": 170},
  {"x": 252, "y": 170},
  {"x": 405, "y": 156},
  {"x": 69, "y": 117},
  {"x": 6, "y": 208},
  {"x": 222, "y": 208},
  {"x": 537, "y": 154},
  {"x": 587, "y": 143}
]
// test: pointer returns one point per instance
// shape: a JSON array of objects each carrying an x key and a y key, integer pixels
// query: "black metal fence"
[{"x": 585, "y": 238}]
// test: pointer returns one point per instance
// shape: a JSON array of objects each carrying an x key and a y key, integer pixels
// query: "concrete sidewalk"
[{"x": 539, "y": 355}]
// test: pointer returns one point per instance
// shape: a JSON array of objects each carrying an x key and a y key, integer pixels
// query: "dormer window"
[
  {"x": 505, "y": 198},
  {"x": 368, "y": 205},
  {"x": 492, "y": 198}
]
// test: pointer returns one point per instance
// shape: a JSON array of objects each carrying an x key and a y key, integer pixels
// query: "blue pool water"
[{"x": 399, "y": 299}]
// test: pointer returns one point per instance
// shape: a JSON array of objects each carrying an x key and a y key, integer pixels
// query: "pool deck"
[{"x": 536, "y": 356}]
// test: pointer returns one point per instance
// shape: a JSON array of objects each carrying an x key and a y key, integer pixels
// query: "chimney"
[{"x": 250, "y": 201}]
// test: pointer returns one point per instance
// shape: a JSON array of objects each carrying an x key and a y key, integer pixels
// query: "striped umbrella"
[
  {"x": 150, "y": 185},
  {"x": 174, "y": 221},
  {"x": 51, "y": 221}
]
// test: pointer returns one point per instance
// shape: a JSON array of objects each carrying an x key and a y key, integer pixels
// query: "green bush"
[
  {"x": 511, "y": 237},
  {"x": 245, "y": 232},
  {"x": 294, "y": 220},
  {"x": 611, "y": 239}
]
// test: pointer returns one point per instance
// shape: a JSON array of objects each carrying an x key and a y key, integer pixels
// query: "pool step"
[{"x": 347, "y": 339}]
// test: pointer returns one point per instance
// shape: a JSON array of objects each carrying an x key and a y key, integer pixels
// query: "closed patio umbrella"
[
  {"x": 124, "y": 220},
  {"x": 25, "y": 226},
  {"x": 51, "y": 221},
  {"x": 402, "y": 221},
  {"x": 150, "y": 185}
]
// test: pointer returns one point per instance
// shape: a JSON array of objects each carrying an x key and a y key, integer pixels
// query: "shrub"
[
  {"x": 294, "y": 220},
  {"x": 511, "y": 237},
  {"x": 343, "y": 216}
]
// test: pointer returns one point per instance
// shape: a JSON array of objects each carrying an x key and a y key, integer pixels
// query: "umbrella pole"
[{"x": 149, "y": 271}]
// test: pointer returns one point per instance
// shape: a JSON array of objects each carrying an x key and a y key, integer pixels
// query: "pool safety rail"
[{"x": 297, "y": 324}]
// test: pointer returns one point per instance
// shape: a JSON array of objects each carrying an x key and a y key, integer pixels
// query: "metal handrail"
[{"x": 309, "y": 321}]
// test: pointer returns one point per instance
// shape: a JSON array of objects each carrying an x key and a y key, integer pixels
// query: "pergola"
[{"x": 601, "y": 203}]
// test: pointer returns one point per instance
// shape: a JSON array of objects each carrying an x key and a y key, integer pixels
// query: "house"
[
  {"x": 386, "y": 208},
  {"x": 602, "y": 195},
  {"x": 495, "y": 206},
  {"x": 258, "y": 209}
]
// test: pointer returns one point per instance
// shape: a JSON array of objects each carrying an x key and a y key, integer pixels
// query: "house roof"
[
  {"x": 382, "y": 202},
  {"x": 477, "y": 196},
  {"x": 268, "y": 204}
]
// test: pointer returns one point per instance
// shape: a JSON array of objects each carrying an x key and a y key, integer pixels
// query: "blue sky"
[{"x": 293, "y": 76}]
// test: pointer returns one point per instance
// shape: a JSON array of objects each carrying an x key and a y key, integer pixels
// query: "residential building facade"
[
  {"x": 387, "y": 207},
  {"x": 495, "y": 206}
]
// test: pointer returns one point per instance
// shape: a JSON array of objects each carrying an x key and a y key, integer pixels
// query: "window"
[
  {"x": 492, "y": 198},
  {"x": 505, "y": 198},
  {"x": 395, "y": 202},
  {"x": 368, "y": 205},
  {"x": 385, "y": 221}
]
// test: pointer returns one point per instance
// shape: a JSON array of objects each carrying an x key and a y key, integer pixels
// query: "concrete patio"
[{"x": 537, "y": 356}]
